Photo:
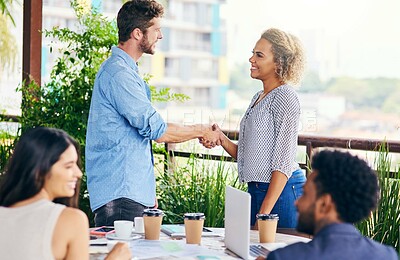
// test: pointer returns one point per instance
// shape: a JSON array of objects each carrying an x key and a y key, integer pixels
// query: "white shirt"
[
  {"x": 27, "y": 231},
  {"x": 268, "y": 136}
]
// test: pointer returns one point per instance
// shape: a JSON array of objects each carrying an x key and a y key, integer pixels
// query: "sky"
[{"x": 358, "y": 38}]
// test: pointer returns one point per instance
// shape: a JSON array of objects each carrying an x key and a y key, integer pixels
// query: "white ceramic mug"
[
  {"x": 123, "y": 228},
  {"x": 139, "y": 225}
]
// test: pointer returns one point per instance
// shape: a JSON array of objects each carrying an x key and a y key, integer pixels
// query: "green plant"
[
  {"x": 163, "y": 94},
  {"x": 6, "y": 147},
  {"x": 384, "y": 223},
  {"x": 198, "y": 186},
  {"x": 8, "y": 48},
  {"x": 6, "y": 8}
]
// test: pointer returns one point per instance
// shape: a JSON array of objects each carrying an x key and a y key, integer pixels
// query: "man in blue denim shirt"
[
  {"x": 341, "y": 190},
  {"x": 122, "y": 122}
]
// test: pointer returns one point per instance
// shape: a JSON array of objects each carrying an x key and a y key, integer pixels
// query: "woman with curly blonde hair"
[{"x": 266, "y": 150}]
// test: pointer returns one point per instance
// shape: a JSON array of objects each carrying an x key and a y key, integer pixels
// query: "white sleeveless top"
[{"x": 27, "y": 231}]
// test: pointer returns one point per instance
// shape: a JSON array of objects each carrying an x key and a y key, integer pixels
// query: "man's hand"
[{"x": 212, "y": 137}]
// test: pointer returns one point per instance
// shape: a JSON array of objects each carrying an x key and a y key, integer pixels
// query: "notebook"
[{"x": 237, "y": 225}]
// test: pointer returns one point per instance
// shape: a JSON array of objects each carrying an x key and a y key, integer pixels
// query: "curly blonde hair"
[{"x": 288, "y": 54}]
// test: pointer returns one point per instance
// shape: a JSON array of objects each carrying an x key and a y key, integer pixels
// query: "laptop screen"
[{"x": 237, "y": 221}]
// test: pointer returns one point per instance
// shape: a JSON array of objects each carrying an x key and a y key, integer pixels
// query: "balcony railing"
[
  {"x": 310, "y": 142},
  {"x": 9, "y": 118}
]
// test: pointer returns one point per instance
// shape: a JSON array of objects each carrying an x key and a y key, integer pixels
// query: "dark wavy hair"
[
  {"x": 352, "y": 184},
  {"x": 36, "y": 152},
  {"x": 137, "y": 14}
]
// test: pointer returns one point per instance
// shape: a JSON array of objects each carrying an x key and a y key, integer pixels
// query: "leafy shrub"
[
  {"x": 197, "y": 186},
  {"x": 384, "y": 223},
  {"x": 6, "y": 147}
]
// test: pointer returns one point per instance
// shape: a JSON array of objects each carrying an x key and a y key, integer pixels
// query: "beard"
[
  {"x": 306, "y": 221},
  {"x": 146, "y": 46}
]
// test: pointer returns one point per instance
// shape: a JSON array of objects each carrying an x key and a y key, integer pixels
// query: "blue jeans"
[
  {"x": 119, "y": 209},
  {"x": 284, "y": 206}
]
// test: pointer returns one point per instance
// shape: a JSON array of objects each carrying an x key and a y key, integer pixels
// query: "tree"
[
  {"x": 312, "y": 83},
  {"x": 8, "y": 48},
  {"x": 5, "y": 7},
  {"x": 364, "y": 93},
  {"x": 392, "y": 104},
  {"x": 241, "y": 82}
]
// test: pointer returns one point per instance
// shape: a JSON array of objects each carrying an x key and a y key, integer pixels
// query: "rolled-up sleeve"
[
  {"x": 286, "y": 112},
  {"x": 131, "y": 101}
]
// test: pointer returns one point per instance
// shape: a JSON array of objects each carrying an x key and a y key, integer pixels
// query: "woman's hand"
[
  {"x": 120, "y": 251},
  {"x": 212, "y": 137}
]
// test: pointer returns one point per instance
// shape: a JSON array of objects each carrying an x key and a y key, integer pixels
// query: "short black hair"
[
  {"x": 352, "y": 184},
  {"x": 137, "y": 14}
]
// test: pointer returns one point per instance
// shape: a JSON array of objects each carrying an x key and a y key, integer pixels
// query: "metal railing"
[
  {"x": 310, "y": 142},
  {"x": 9, "y": 118}
]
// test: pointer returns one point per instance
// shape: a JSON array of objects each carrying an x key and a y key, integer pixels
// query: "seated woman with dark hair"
[{"x": 43, "y": 168}]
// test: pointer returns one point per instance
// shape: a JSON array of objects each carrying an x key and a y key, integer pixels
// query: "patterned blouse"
[{"x": 268, "y": 136}]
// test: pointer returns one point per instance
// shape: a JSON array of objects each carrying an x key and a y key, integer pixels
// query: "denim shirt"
[{"x": 122, "y": 122}]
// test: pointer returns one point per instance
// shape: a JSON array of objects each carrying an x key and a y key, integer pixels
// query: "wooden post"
[
  {"x": 166, "y": 161},
  {"x": 309, "y": 155},
  {"x": 32, "y": 41}
]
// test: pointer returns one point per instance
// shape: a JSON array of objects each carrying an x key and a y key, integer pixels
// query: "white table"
[{"x": 209, "y": 246}]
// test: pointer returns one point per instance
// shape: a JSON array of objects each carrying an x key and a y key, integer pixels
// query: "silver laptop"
[{"x": 237, "y": 225}]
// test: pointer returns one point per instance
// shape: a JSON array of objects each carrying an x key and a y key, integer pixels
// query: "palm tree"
[
  {"x": 5, "y": 6},
  {"x": 8, "y": 50}
]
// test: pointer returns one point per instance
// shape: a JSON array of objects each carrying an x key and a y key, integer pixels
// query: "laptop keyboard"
[{"x": 258, "y": 250}]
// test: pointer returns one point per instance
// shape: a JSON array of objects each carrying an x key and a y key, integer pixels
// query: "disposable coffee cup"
[
  {"x": 193, "y": 227},
  {"x": 152, "y": 219},
  {"x": 267, "y": 224},
  {"x": 123, "y": 228}
]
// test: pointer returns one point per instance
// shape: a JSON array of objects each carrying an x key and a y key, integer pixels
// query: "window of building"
[
  {"x": 172, "y": 67},
  {"x": 205, "y": 68},
  {"x": 189, "y": 40}
]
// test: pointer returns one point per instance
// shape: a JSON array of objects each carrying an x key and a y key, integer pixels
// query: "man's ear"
[
  {"x": 136, "y": 34},
  {"x": 325, "y": 204}
]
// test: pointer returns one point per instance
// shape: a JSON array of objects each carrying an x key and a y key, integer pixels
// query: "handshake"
[{"x": 212, "y": 137}]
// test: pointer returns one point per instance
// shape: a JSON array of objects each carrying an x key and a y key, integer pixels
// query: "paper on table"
[{"x": 149, "y": 249}]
